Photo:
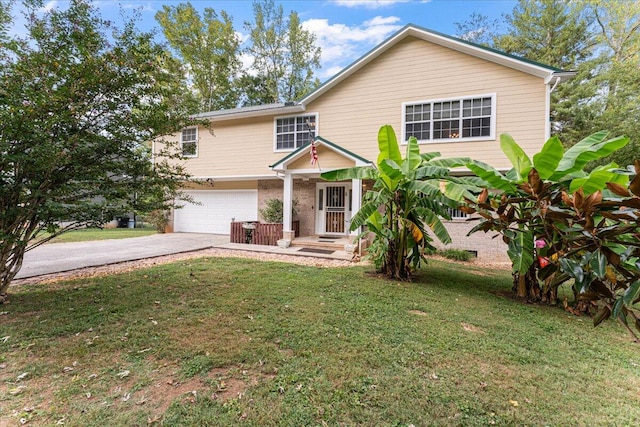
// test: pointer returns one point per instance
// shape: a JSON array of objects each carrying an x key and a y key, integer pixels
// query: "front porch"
[
  {"x": 307, "y": 246},
  {"x": 323, "y": 208}
]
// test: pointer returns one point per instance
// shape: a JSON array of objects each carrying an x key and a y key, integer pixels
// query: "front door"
[{"x": 333, "y": 208}]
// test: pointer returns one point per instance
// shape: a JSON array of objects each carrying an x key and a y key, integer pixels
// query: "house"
[{"x": 456, "y": 97}]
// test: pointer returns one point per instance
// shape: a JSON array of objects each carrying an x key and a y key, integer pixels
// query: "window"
[
  {"x": 189, "y": 142},
  {"x": 456, "y": 213},
  {"x": 450, "y": 119},
  {"x": 294, "y": 132}
]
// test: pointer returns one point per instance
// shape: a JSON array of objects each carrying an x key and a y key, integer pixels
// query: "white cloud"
[
  {"x": 140, "y": 6},
  {"x": 49, "y": 6},
  {"x": 368, "y": 4},
  {"x": 341, "y": 44}
]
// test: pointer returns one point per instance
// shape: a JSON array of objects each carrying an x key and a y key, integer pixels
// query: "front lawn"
[
  {"x": 90, "y": 234},
  {"x": 226, "y": 342}
]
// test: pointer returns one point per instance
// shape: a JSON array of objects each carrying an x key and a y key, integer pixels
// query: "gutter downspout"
[{"x": 550, "y": 89}]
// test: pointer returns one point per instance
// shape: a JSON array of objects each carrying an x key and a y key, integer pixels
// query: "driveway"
[{"x": 59, "y": 257}]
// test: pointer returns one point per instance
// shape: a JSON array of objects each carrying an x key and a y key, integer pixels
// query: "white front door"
[{"x": 333, "y": 212}]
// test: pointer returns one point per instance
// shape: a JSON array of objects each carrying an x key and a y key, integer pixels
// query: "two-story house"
[{"x": 455, "y": 97}]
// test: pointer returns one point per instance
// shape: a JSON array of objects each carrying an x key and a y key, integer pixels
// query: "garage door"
[{"x": 216, "y": 211}]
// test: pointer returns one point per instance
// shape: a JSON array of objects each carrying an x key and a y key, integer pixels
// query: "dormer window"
[{"x": 294, "y": 132}]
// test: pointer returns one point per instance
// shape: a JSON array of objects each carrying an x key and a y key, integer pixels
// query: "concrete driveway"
[{"x": 59, "y": 257}]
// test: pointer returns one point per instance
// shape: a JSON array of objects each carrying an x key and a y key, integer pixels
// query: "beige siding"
[
  {"x": 414, "y": 70},
  {"x": 351, "y": 113},
  {"x": 327, "y": 159}
]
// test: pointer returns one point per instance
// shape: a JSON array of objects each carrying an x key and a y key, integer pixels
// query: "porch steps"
[{"x": 314, "y": 242}]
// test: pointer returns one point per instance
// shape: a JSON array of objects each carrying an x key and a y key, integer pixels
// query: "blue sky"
[{"x": 344, "y": 29}]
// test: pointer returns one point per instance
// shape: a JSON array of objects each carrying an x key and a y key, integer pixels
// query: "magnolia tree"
[
  {"x": 408, "y": 198},
  {"x": 563, "y": 225},
  {"x": 80, "y": 103}
]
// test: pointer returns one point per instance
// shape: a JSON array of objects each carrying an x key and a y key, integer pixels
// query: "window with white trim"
[
  {"x": 294, "y": 132},
  {"x": 456, "y": 213},
  {"x": 449, "y": 120},
  {"x": 189, "y": 142}
]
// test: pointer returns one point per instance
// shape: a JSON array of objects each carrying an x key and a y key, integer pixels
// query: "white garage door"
[{"x": 216, "y": 211}]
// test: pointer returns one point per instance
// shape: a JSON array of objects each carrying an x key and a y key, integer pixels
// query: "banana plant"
[
  {"x": 410, "y": 195},
  {"x": 524, "y": 199}
]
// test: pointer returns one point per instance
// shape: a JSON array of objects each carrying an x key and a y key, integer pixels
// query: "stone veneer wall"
[{"x": 304, "y": 191}]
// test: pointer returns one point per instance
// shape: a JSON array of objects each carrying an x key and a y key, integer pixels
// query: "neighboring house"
[{"x": 455, "y": 97}]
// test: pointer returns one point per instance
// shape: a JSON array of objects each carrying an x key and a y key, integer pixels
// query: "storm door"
[{"x": 333, "y": 209}]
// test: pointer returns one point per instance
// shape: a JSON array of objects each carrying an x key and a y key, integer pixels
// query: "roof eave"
[
  {"x": 560, "y": 77},
  {"x": 281, "y": 165},
  {"x": 223, "y": 115}
]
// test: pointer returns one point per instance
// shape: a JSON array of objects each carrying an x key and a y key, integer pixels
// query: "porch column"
[
  {"x": 356, "y": 200},
  {"x": 287, "y": 202}
]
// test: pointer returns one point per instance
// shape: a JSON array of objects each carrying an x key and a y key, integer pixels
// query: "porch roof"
[{"x": 282, "y": 164}]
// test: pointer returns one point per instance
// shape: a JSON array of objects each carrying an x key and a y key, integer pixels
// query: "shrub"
[
  {"x": 273, "y": 210},
  {"x": 159, "y": 219},
  {"x": 456, "y": 254}
]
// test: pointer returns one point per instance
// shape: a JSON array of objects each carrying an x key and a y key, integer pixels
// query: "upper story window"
[
  {"x": 449, "y": 120},
  {"x": 294, "y": 132},
  {"x": 189, "y": 142}
]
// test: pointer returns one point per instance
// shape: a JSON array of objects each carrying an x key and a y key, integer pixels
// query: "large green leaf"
[
  {"x": 358, "y": 172},
  {"x": 456, "y": 191},
  {"x": 548, "y": 159},
  {"x": 516, "y": 155},
  {"x": 520, "y": 250},
  {"x": 573, "y": 269},
  {"x": 631, "y": 293},
  {"x": 598, "y": 263},
  {"x": 450, "y": 162},
  {"x": 365, "y": 212},
  {"x": 412, "y": 159},
  {"x": 598, "y": 179},
  {"x": 388, "y": 145},
  {"x": 431, "y": 188},
  {"x": 591, "y": 148},
  {"x": 429, "y": 171},
  {"x": 392, "y": 170},
  {"x": 492, "y": 176},
  {"x": 435, "y": 224},
  {"x": 429, "y": 156}
]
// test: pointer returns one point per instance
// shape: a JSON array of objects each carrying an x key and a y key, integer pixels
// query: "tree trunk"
[
  {"x": 526, "y": 285},
  {"x": 11, "y": 256},
  {"x": 7, "y": 273}
]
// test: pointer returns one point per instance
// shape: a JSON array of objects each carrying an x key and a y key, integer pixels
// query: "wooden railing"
[{"x": 262, "y": 234}]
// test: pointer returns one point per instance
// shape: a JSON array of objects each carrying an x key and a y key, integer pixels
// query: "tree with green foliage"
[
  {"x": 210, "y": 49},
  {"x": 406, "y": 199},
  {"x": 615, "y": 83},
  {"x": 556, "y": 33},
  {"x": 284, "y": 54},
  {"x": 80, "y": 102},
  {"x": 525, "y": 203},
  {"x": 478, "y": 28}
]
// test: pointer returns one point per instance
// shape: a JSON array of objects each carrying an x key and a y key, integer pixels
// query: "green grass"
[
  {"x": 225, "y": 342},
  {"x": 90, "y": 234}
]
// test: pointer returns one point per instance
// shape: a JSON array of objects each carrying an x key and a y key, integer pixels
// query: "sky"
[{"x": 344, "y": 29}]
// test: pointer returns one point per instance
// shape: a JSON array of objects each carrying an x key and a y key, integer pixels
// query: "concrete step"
[{"x": 321, "y": 243}]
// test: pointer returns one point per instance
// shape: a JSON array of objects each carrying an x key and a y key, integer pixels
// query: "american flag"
[{"x": 314, "y": 153}]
